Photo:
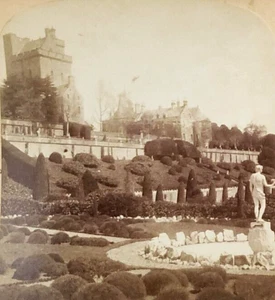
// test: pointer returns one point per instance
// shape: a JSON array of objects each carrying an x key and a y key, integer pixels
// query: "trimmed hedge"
[
  {"x": 40, "y": 292},
  {"x": 174, "y": 292},
  {"x": 74, "y": 167},
  {"x": 88, "y": 160},
  {"x": 108, "y": 159},
  {"x": 37, "y": 238},
  {"x": 166, "y": 160},
  {"x": 90, "y": 242},
  {"x": 138, "y": 168},
  {"x": 213, "y": 293},
  {"x": 56, "y": 157}
]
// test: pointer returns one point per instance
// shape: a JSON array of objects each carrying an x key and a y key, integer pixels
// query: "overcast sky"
[{"x": 215, "y": 55}]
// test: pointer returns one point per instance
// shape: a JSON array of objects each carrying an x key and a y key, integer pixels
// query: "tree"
[
  {"x": 129, "y": 183},
  {"x": 255, "y": 132},
  {"x": 191, "y": 187},
  {"x": 225, "y": 192},
  {"x": 147, "y": 186},
  {"x": 240, "y": 199},
  {"x": 248, "y": 196},
  {"x": 89, "y": 183},
  {"x": 235, "y": 137},
  {"x": 159, "y": 195},
  {"x": 181, "y": 193},
  {"x": 212, "y": 193},
  {"x": 267, "y": 154},
  {"x": 41, "y": 179}
]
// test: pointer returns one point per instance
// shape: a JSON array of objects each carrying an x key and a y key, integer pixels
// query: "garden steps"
[{"x": 111, "y": 239}]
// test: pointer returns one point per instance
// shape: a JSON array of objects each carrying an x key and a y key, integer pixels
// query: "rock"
[
  {"x": 194, "y": 237},
  {"x": 227, "y": 259},
  {"x": 240, "y": 260},
  {"x": 174, "y": 253},
  {"x": 201, "y": 237},
  {"x": 188, "y": 241},
  {"x": 164, "y": 239},
  {"x": 170, "y": 252},
  {"x": 261, "y": 239},
  {"x": 147, "y": 249},
  {"x": 187, "y": 257},
  {"x": 210, "y": 236},
  {"x": 219, "y": 237},
  {"x": 162, "y": 252},
  {"x": 228, "y": 235},
  {"x": 241, "y": 237},
  {"x": 175, "y": 243},
  {"x": 180, "y": 238}
]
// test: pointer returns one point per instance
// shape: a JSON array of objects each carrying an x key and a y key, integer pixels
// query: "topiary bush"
[
  {"x": 56, "y": 269},
  {"x": 249, "y": 165},
  {"x": 91, "y": 242},
  {"x": 4, "y": 172},
  {"x": 70, "y": 184},
  {"x": 88, "y": 160},
  {"x": 80, "y": 267},
  {"x": 3, "y": 266},
  {"x": 32, "y": 220},
  {"x": 39, "y": 292},
  {"x": 141, "y": 234},
  {"x": 4, "y": 229},
  {"x": 26, "y": 271},
  {"x": 96, "y": 291},
  {"x": 181, "y": 194},
  {"x": 74, "y": 167},
  {"x": 183, "y": 162},
  {"x": 37, "y": 238},
  {"x": 17, "y": 262},
  {"x": 8, "y": 293},
  {"x": 56, "y": 157},
  {"x": 212, "y": 193},
  {"x": 159, "y": 195},
  {"x": 268, "y": 170},
  {"x": 209, "y": 279},
  {"x": 217, "y": 269},
  {"x": 108, "y": 181},
  {"x": 89, "y": 183},
  {"x": 225, "y": 165},
  {"x": 112, "y": 167},
  {"x": 41, "y": 179},
  {"x": 172, "y": 171},
  {"x": 142, "y": 158},
  {"x": 147, "y": 190},
  {"x": 68, "y": 285},
  {"x": 156, "y": 280},
  {"x": 114, "y": 228},
  {"x": 129, "y": 284},
  {"x": 60, "y": 238},
  {"x": 174, "y": 292},
  {"x": 166, "y": 160},
  {"x": 108, "y": 159},
  {"x": 181, "y": 276},
  {"x": 216, "y": 294},
  {"x": 91, "y": 228},
  {"x": 137, "y": 168},
  {"x": 16, "y": 238}
]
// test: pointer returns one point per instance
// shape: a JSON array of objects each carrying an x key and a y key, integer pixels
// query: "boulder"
[
  {"x": 188, "y": 241},
  {"x": 219, "y": 237},
  {"x": 201, "y": 237},
  {"x": 194, "y": 237},
  {"x": 210, "y": 236},
  {"x": 241, "y": 237},
  {"x": 164, "y": 239},
  {"x": 180, "y": 238},
  {"x": 228, "y": 235},
  {"x": 261, "y": 239},
  {"x": 189, "y": 258}
]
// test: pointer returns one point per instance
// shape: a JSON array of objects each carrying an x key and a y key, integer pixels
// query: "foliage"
[
  {"x": 56, "y": 157},
  {"x": 129, "y": 183},
  {"x": 212, "y": 193},
  {"x": 181, "y": 193},
  {"x": 225, "y": 192},
  {"x": 147, "y": 186},
  {"x": 88, "y": 160},
  {"x": 159, "y": 195},
  {"x": 89, "y": 183},
  {"x": 56, "y": 257},
  {"x": 174, "y": 292},
  {"x": 248, "y": 196},
  {"x": 249, "y": 165},
  {"x": 80, "y": 267},
  {"x": 109, "y": 181},
  {"x": 191, "y": 187},
  {"x": 156, "y": 280},
  {"x": 85, "y": 132},
  {"x": 112, "y": 167},
  {"x": 70, "y": 184},
  {"x": 214, "y": 293},
  {"x": 129, "y": 284},
  {"x": 68, "y": 285},
  {"x": 187, "y": 149},
  {"x": 138, "y": 168},
  {"x": 41, "y": 179},
  {"x": 3, "y": 266},
  {"x": 4, "y": 172},
  {"x": 37, "y": 238},
  {"x": 225, "y": 165},
  {"x": 94, "y": 291},
  {"x": 159, "y": 148},
  {"x": 108, "y": 159},
  {"x": 181, "y": 276},
  {"x": 114, "y": 228},
  {"x": 60, "y": 237},
  {"x": 26, "y": 271},
  {"x": 90, "y": 228},
  {"x": 172, "y": 171},
  {"x": 74, "y": 167},
  {"x": 166, "y": 160},
  {"x": 268, "y": 170},
  {"x": 40, "y": 292},
  {"x": 240, "y": 198},
  {"x": 16, "y": 238},
  {"x": 91, "y": 242},
  {"x": 141, "y": 158},
  {"x": 209, "y": 279}
]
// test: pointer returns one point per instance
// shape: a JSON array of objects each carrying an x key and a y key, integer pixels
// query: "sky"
[{"x": 214, "y": 55}]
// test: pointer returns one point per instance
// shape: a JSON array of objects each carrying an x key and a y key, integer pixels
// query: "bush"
[
  {"x": 212, "y": 193},
  {"x": 79, "y": 266},
  {"x": 4, "y": 229},
  {"x": 181, "y": 194},
  {"x": 89, "y": 183},
  {"x": 48, "y": 224},
  {"x": 68, "y": 285},
  {"x": 91, "y": 242},
  {"x": 159, "y": 195},
  {"x": 41, "y": 185},
  {"x": 26, "y": 271},
  {"x": 249, "y": 165},
  {"x": 56, "y": 269},
  {"x": 159, "y": 148},
  {"x": 178, "y": 168},
  {"x": 102, "y": 291},
  {"x": 191, "y": 187},
  {"x": 105, "y": 267},
  {"x": 217, "y": 269},
  {"x": 268, "y": 170},
  {"x": 1, "y": 234},
  {"x": 32, "y": 220},
  {"x": 114, "y": 228},
  {"x": 187, "y": 149},
  {"x": 3, "y": 266},
  {"x": 85, "y": 132},
  {"x": 156, "y": 280},
  {"x": 207, "y": 161},
  {"x": 225, "y": 165},
  {"x": 174, "y": 292},
  {"x": 181, "y": 276},
  {"x": 74, "y": 167},
  {"x": 88, "y": 160},
  {"x": 17, "y": 262},
  {"x": 129, "y": 284},
  {"x": 213, "y": 293},
  {"x": 172, "y": 171},
  {"x": 108, "y": 159},
  {"x": 42, "y": 231},
  {"x": 142, "y": 158},
  {"x": 4, "y": 172},
  {"x": 16, "y": 238},
  {"x": 141, "y": 234},
  {"x": 108, "y": 181},
  {"x": 137, "y": 168},
  {"x": 187, "y": 161},
  {"x": 56, "y": 157},
  {"x": 112, "y": 167},
  {"x": 90, "y": 228},
  {"x": 56, "y": 257},
  {"x": 166, "y": 160},
  {"x": 25, "y": 230},
  {"x": 147, "y": 187},
  {"x": 8, "y": 293},
  {"x": 209, "y": 279},
  {"x": 40, "y": 292},
  {"x": 37, "y": 238},
  {"x": 18, "y": 221},
  {"x": 70, "y": 184},
  {"x": 60, "y": 238}
]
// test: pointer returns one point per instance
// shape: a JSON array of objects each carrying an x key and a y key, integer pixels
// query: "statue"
[{"x": 257, "y": 183}]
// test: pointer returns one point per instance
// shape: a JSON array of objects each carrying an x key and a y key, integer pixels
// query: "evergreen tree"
[
  {"x": 41, "y": 179},
  {"x": 129, "y": 183},
  {"x": 89, "y": 183},
  {"x": 212, "y": 193},
  {"x": 181, "y": 193},
  {"x": 80, "y": 194},
  {"x": 225, "y": 192},
  {"x": 240, "y": 198},
  {"x": 4, "y": 171},
  {"x": 159, "y": 195},
  {"x": 191, "y": 187},
  {"x": 147, "y": 186},
  {"x": 248, "y": 196}
]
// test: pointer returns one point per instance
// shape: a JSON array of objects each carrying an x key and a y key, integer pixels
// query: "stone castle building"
[
  {"x": 179, "y": 121},
  {"x": 44, "y": 57}
]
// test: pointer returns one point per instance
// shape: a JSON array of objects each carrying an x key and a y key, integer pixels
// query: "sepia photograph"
[{"x": 137, "y": 150}]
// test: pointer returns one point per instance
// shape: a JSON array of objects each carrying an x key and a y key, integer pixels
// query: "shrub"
[
  {"x": 142, "y": 158},
  {"x": 213, "y": 293},
  {"x": 187, "y": 161},
  {"x": 159, "y": 195},
  {"x": 114, "y": 228},
  {"x": 137, "y": 168},
  {"x": 166, "y": 160},
  {"x": 3, "y": 266},
  {"x": 249, "y": 165},
  {"x": 248, "y": 196},
  {"x": 56, "y": 269},
  {"x": 74, "y": 167},
  {"x": 112, "y": 167},
  {"x": 41, "y": 179},
  {"x": 26, "y": 271},
  {"x": 56, "y": 158},
  {"x": 156, "y": 280},
  {"x": 11, "y": 228},
  {"x": 183, "y": 279},
  {"x": 225, "y": 165},
  {"x": 18, "y": 221},
  {"x": 212, "y": 193},
  {"x": 32, "y": 220},
  {"x": 89, "y": 183},
  {"x": 37, "y": 238},
  {"x": 60, "y": 238},
  {"x": 268, "y": 170},
  {"x": 141, "y": 234},
  {"x": 4, "y": 172},
  {"x": 4, "y": 229},
  {"x": 70, "y": 184},
  {"x": 40, "y": 292},
  {"x": 90, "y": 228},
  {"x": 174, "y": 292},
  {"x": 108, "y": 159},
  {"x": 85, "y": 132},
  {"x": 102, "y": 291},
  {"x": 217, "y": 269},
  {"x": 88, "y": 160},
  {"x": 79, "y": 266},
  {"x": 187, "y": 149},
  {"x": 209, "y": 279},
  {"x": 191, "y": 187},
  {"x": 207, "y": 161},
  {"x": 91, "y": 242},
  {"x": 104, "y": 267},
  {"x": 73, "y": 226},
  {"x": 16, "y": 237},
  {"x": 225, "y": 192},
  {"x": 17, "y": 262},
  {"x": 129, "y": 284},
  {"x": 159, "y": 148},
  {"x": 48, "y": 224},
  {"x": 181, "y": 193},
  {"x": 182, "y": 179},
  {"x": 240, "y": 198},
  {"x": 56, "y": 257},
  {"x": 8, "y": 293},
  {"x": 108, "y": 181},
  {"x": 68, "y": 285},
  {"x": 42, "y": 231},
  {"x": 172, "y": 171},
  {"x": 147, "y": 187},
  {"x": 178, "y": 168}
]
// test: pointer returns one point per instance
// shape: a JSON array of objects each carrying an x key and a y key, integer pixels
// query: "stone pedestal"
[{"x": 261, "y": 237}]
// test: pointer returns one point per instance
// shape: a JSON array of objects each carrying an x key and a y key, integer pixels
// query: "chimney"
[{"x": 50, "y": 32}]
